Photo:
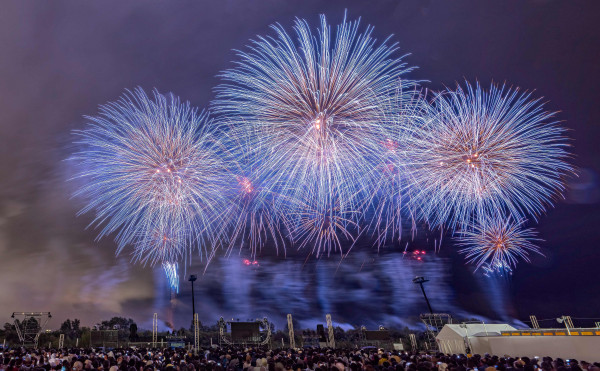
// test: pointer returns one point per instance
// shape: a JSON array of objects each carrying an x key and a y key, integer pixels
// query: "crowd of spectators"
[{"x": 259, "y": 359}]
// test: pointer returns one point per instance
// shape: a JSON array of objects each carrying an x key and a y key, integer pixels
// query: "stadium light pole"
[
  {"x": 192, "y": 279},
  {"x": 420, "y": 281}
]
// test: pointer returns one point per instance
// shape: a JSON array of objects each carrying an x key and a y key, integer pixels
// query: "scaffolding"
[
  {"x": 154, "y": 330},
  {"x": 331, "y": 338},
  {"x": 291, "y": 331},
  {"x": 413, "y": 342},
  {"x": 434, "y": 322},
  {"x": 30, "y": 325},
  {"x": 534, "y": 321},
  {"x": 196, "y": 333}
]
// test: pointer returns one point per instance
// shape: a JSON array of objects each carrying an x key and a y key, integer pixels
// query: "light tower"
[
  {"x": 420, "y": 281},
  {"x": 433, "y": 321},
  {"x": 192, "y": 279}
]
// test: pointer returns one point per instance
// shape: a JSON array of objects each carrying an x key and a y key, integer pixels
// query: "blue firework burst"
[
  {"x": 314, "y": 107},
  {"x": 498, "y": 244},
  {"x": 153, "y": 175},
  {"x": 483, "y": 153}
]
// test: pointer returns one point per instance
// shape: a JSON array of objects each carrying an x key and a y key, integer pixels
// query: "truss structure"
[
  {"x": 291, "y": 332},
  {"x": 154, "y": 330},
  {"x": 331, "y": 337},
  {"x": 196, "y": 333},
  {"x": 30, "y": 325},
  {"x": 434, "y": 322},
  {"x": 413, "y": 342}
]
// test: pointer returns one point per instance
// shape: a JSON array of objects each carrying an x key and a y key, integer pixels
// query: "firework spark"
[
  {"x": 486, "y": 152},
  {"x": 153, "y": 175},
  {"x": 498, "y": 244}
]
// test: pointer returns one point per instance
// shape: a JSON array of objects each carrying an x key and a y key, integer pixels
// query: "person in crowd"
[{"x": 233, "y": 358}]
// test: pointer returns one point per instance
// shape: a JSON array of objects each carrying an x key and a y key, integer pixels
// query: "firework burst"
[
  {"x": 498, "y": 245},
  {"x": 486, "y": 152},
  {"x": 153, "y": 175},
  {"x": 314, "y": 105}
]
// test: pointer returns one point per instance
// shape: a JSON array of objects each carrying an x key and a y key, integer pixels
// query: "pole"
[
  {"x": 425, "y": 296},
  {"x": 193, "y": 300},
  {"x": 192, "y": 279}
]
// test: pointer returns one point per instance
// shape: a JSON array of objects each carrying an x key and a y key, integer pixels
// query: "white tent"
[{"x": 454, "y": 339}]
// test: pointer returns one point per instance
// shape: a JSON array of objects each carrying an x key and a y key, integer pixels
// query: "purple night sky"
[{"x": 59, "y": 60}]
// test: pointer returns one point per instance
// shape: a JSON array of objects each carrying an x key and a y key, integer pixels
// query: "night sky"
[{"x": 59, "y": 60}]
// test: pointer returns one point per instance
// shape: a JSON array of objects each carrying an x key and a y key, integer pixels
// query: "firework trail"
[
  {"x": 315, "y": 104},
  {"x": 497, "y": 245},
  {"x": 172, "y": 275},
  {"x": 484, "y": 153},
  {"x": 253, "y": 219},
  {"x": 323, "y": 229},
  {"x": 153, "y": 175},
  {"x": 390, "y": 200}
]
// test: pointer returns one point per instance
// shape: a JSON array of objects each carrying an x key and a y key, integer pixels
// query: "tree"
[
  {"x": 133, "y": 336},
  {"x": 119, "y": 322},
  {"x": 75, "y": 325},
  {"x": 71, "y": 329},
  {"x": 10, "y": 333}
]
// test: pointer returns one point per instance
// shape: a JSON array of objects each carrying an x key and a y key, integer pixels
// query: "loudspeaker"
[{"x": 321, "y": 333}]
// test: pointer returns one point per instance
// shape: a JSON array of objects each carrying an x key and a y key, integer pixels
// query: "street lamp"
[{"x": 420, "y": 281}]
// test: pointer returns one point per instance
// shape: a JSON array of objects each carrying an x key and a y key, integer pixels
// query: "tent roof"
[{"x": 472, "y": 329}]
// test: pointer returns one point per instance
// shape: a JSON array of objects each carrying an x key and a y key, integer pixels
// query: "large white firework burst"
[
  {"x": 486, "y": 152},
  {"x": 314, "y": 104},
  {"x": 153, "y": 174}
]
